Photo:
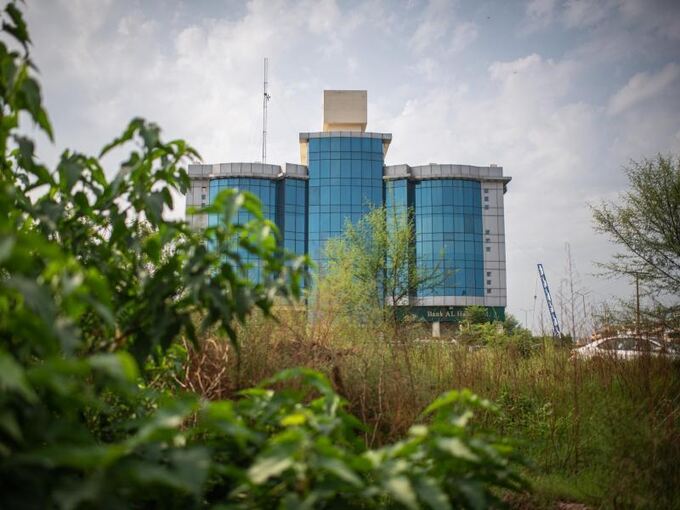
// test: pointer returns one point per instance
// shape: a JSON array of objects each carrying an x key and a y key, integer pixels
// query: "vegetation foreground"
[
  {"x": 141, "y": 368},
  {"x": 602, "y": 432}
]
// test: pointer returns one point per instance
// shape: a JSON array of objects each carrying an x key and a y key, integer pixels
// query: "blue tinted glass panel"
[
  {"x": 266, "y": 191},
  {"x": 448, "y": 221},
  {"x": 349, "y": 181}
]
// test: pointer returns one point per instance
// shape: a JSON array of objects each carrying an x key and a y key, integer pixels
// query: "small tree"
[
  {"x": 475, "y": 314},
  {"x": 645, "y": 223},
  {"x": 371, "y": 268}
]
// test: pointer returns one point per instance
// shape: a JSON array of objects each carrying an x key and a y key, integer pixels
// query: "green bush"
[{"x": 96, "y": 282}]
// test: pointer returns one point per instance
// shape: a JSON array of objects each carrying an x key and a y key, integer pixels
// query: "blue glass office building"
[{"x": 458, "y": 209}]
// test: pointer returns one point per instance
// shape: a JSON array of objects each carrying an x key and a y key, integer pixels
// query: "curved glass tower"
[
  {"x": 345, "y": 181},
  {"x": 448, "y": 221}
]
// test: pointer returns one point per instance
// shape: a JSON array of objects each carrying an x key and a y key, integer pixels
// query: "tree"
[
  {"x": 475, "y": 314},
  {"x": 645, "y": 224},
  {"x": 372, "y": 266},
  {"x": 511, "y": 324}
]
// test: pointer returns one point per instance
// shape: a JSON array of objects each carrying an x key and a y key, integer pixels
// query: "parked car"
[{"x": 626, "y": 347}]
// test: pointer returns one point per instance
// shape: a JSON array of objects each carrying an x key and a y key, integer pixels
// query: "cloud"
[
  {"x": 463, "y": 35},
  {"x": 439, "y": 29},
  {"x": 540, "y": 14},
  {"x": 586, "y": 13},
  {"x": 641, "y": 87}
]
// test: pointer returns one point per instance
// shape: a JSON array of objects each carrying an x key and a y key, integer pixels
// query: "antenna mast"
[{"x": 265, "y": 99}]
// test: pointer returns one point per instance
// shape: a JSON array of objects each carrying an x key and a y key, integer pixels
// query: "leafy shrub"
[{"x": 95, "y": 282}]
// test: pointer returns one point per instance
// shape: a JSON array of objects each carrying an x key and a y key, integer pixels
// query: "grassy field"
[{"x": 602, "y": 432}]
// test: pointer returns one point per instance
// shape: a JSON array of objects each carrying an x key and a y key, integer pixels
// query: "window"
[
  {"x": 343, "y": 182},
  {"x": 488, "y": 248},
  {"x": 487, "y": 231},
  {"x": 488, "y": 291},
  {"x": 488, "y": 273},
  {"x": 486, "y": 190},
  {"x": 488, "y": 282},
  {"x": 486, "y": 207},
  {"x": 486, "y": 199},
  {"x": 449, "y": 234}
]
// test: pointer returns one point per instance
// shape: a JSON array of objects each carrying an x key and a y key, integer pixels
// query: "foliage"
[
  {"x": 371, "y": 266},
  {"x": 510, "y": 324},
  {"x": 601, "y": 432},
  {"x": 309, "y": 456},
  {"x": 645, "y": 223},
  {"x": 95, "y": 282},
  {"x": 475, "y": 314},
  {"x": 657, "y": 318}
]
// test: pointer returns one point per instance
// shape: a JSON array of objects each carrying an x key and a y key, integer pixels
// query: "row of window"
[
  {"x": 346, "y": 168},
  {"x": 439, "y": 197},
  {"x": 353, "y": 156},
  {"x": 264, "y": 189},
  {"x": 434, "y": 250},
  {"x": 344, "y": 195},
  {"x": 346, "y": 144}
]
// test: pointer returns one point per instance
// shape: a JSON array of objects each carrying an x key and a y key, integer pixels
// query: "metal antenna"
[{"x": 265, "y": 99}]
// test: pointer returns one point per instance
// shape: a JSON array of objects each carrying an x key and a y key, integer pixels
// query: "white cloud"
[
  {"x": 540, "y": 12},
  {"x": 586, "y": 13},
  {"x": 641, "y": 87},
  {"x": 429, "y": 32},
  {"x": 439, "y": 30},
  {"x": 464, "y": 34}
]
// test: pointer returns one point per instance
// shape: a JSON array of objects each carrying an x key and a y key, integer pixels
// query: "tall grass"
[{"x": 604, "y": 432}]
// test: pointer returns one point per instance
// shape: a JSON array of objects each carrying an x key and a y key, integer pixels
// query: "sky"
[{"x": 562, "y": 94}]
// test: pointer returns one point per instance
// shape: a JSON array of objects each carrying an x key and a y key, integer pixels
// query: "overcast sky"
[{"x": 561, "y": 94}]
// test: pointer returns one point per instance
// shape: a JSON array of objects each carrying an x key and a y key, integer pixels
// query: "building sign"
[{"x": 450, "y": 313}]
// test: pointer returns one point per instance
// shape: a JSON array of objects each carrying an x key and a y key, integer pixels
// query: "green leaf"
[
  {"x": 6, "y": 246},
  {"x": 475, "y": 493},
  {"x": 13, "y": 378},
  {"x": 401, "y": 490},
  {"x": 127, "y": 135},
  {"x": 294, "y": 419},
  {"x": 269, "y": 466},
  {"x": 78, "y": 456},
  {"x": 339, "y": 469},
  {"x": 9, "y": 424},
  {"x": 443, "y": 400},
  {"x": 69, "y": 173},
  {"x": 19, "y": 29},
  {"x": 457, "y": 448},
  {"x": 429, "y": 491},
  {"x": 154, "y": 206},
  {"x": 119, "y": 365}
]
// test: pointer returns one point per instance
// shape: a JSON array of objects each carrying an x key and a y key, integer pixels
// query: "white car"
[{"x": 626, "y": 347}]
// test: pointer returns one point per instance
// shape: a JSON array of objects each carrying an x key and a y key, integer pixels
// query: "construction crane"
[{"x": 557, "y": 332}]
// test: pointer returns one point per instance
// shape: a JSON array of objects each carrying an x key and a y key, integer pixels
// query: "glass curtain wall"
[
  {"x": 345, "y": 181},
  {"x": 448, "y": 221},
  {"x": 265, "y": 190},
  {"x": 295, "y": 216}
]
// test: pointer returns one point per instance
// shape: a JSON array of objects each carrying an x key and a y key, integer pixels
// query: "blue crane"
[{"x": 557, "y": 332}]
